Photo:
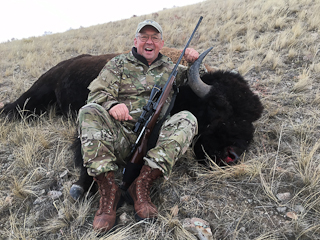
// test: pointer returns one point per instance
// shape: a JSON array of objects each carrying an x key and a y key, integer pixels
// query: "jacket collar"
[{"x": 142, "y": 58}]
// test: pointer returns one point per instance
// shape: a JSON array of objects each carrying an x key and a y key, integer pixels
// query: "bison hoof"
[{"x": 76, "y": 192}]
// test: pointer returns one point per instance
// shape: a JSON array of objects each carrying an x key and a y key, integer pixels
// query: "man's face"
[{"x": 148, "y": 49}]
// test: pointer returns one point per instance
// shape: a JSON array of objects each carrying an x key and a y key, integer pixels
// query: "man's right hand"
[{"x": 120, "y": 112}]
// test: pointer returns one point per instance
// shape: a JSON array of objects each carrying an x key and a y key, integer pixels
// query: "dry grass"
[{"x": 274, "y": 44}]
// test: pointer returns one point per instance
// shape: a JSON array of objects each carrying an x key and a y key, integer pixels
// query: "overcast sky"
[{"x": 26, "y": 18}]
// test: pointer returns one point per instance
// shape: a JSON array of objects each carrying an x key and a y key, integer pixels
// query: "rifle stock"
[{"x": 140, "y": 148}]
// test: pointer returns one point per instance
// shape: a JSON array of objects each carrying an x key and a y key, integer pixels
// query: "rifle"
[{"x": 147, "y": 121}]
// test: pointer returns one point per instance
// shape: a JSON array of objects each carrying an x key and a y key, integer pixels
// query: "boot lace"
[
  {"x": 107, "y": 196},
  {"x": 143, "y": 187}
]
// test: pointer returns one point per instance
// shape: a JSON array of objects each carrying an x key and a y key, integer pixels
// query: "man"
[{"x": 115, "y": 102}]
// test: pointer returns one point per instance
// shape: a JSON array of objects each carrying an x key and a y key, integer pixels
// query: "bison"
[{"x": 222, "y": 102}]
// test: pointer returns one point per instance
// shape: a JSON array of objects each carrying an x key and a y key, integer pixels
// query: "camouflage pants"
[{"x": 106, "y": 142}]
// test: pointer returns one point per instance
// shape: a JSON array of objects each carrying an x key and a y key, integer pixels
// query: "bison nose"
[{"x": 234, "y": 156}]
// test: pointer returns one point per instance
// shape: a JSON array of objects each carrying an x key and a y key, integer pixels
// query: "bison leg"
[
  {"x": 85, "y": 181},
  {"x": 82, "y": 185}
]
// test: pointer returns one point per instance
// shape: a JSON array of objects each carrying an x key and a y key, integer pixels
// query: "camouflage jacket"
[{"x": 125, "y": 79}]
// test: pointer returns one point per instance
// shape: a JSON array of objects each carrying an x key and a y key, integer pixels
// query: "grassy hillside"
[{"x": 274, "y": 192}]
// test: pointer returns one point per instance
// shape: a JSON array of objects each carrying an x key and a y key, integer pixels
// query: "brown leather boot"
[
  {"x": 139, "y": 194},
  {"x": 110, "y": 194}
]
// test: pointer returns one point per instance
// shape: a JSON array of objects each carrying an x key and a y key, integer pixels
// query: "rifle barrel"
[{"x": 174, "y": 71}]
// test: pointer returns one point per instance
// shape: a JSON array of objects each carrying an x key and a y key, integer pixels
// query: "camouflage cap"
[{"x": 150, "y": 23}]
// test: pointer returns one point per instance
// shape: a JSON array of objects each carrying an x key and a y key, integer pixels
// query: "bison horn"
[{"x": 200, "y": 88}]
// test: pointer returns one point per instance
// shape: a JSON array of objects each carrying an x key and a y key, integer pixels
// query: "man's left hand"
[{"x": 191, "y": 55}]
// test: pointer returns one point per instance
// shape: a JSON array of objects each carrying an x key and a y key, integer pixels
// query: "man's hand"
[
  {"x": 120, "y": 112},
  {"x": 191, "y": 55}
]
